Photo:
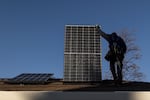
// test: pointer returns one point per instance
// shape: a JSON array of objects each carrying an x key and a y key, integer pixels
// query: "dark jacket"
[{"x": 114, "y": 38}]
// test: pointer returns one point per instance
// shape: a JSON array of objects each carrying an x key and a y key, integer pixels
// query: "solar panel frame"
[{"x": 32, "y": 78}]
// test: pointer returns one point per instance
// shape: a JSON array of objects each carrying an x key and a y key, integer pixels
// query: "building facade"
[{"x": 82, "y": 54}]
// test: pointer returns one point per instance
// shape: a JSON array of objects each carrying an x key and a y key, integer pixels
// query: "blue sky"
[{"x": 32, "y": 31}]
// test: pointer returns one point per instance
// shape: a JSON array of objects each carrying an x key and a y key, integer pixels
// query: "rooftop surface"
[{"x": 59, "y": 86}]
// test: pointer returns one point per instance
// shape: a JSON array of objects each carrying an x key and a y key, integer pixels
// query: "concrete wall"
[{"x": 48, "y": 95}]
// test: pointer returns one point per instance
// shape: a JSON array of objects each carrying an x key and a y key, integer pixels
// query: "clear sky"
[{"x": 32, "y": 31}]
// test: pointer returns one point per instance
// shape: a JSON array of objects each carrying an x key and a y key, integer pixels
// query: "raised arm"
[{"x": 103, "y": 34}]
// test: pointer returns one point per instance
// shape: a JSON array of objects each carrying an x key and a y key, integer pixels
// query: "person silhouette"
[{"x": 115, "y": 55}]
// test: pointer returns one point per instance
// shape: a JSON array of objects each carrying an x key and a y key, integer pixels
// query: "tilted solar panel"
[{"x": 32, "y": 78}]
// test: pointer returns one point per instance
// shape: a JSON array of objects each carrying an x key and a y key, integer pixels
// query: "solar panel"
[{"x": 32, "y": 78}]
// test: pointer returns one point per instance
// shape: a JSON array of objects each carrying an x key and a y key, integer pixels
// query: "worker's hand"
[{"x": 98, "y": 29}]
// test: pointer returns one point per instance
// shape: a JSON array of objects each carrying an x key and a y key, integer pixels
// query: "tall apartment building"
[{"x": 82, "y": 54}]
